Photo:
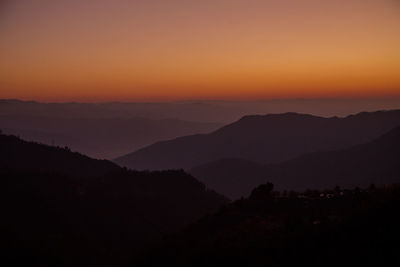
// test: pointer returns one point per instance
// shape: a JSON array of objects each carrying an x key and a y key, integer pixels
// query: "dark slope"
[
  {"x": 21, "y": 155},
  {"x": 100, "y": 137},
  {"x": 64, "y": 209},
  {"x": 264, "y": 139},
  {"x": 350, "y": 228},
  {"x": 377, "y": 162}
]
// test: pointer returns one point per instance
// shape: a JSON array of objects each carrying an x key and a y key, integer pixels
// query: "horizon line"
[{"x": 204, "y": 100}]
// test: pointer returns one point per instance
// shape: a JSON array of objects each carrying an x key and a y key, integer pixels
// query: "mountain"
[
  {"x": 99, "y": 137},
  {"x": 375, "y": 162},
  {"x": 264, "y": 139},
  {"x": 318, "y": 228},
  {"x": 64, "y": 209}
]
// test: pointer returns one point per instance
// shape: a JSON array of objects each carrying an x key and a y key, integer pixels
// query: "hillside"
[
  {"x": 376, "y": 162},
  {"x": 316, "y": 228},
  {"x": 17, "y": 154},
  {"x": 264, "y": 139},
  {"x": 86, "y": 212}
]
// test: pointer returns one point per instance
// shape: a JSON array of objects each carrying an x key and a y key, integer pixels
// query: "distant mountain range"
[
  {"x": 217, "y": 111},
  {"x": 264, "y": 139},
  {"x": 87, "y": 212},
  {"x": 99, "y": 137},
  {"x": 376, "y": 162}
]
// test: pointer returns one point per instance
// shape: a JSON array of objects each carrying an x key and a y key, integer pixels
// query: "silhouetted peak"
[
  {"x": 365, "y": 114},
  {"x": 295, "y": 115},
  {"x": 270, "y": 138},
  {"x": 255, "y": 122},
  {"x": 276, "y": 116}
]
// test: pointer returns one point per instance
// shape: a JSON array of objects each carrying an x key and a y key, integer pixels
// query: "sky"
[{"x": 156, "y": 50}]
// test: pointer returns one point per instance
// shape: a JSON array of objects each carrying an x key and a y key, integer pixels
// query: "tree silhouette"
[{"x": 261, "y": 192}]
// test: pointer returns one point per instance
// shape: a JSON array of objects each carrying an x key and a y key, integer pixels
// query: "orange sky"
[{"x": 101, "y": 50}]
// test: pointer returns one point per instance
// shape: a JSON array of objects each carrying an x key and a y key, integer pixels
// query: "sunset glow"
[{"x": 100, "y": 50}]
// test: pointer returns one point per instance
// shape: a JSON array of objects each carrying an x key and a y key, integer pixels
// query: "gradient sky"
[{"x": 96, "y": 50}]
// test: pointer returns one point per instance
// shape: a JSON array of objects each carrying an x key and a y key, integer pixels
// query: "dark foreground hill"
[
  {"x": 64, "y": 209},
  {"x": 376, "y": 162},
  {"x": 271, "y": 138},
  {"x": 327, "y": 228},
  {"x": 17, "y": 154}
]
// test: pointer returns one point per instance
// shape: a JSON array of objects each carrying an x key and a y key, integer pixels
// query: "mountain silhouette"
[
  {"x": 375, "y": 162},
  {"x": 264, "y": 139},
  {"x": 61, "y": 208}
]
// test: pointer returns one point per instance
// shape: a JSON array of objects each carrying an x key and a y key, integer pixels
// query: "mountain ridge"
[
  {"x": 270, "y": 138},
  {"x": 375, "y": 162}
]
